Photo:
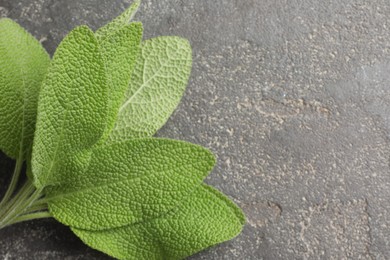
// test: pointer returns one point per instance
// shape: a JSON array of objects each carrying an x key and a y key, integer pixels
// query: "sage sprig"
[{"x": 83, "y": 124}]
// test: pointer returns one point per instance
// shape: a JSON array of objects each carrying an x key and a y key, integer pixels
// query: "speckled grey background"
[{"x": 293, "y": 96}]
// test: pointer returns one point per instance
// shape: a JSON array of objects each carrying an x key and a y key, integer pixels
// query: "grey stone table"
[{"x": 294, "y": 99}]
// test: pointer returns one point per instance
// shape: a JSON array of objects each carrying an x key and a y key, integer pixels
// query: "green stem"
[
  {"x": 43, "y": 201},
  {"x": 22, "y": 207},
  {"x": 23, "y": 193},
  {"x": 14, "y": 181},
  {"x": 21, "y": 204},
  {"x": 36, "y": 207},
  {"x": 31, "y": 216}
]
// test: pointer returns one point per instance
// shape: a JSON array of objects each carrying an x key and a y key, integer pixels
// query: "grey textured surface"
[{"x": 294, "y": 99}]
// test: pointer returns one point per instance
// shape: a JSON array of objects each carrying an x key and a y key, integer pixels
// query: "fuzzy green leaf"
[
  {"x": 204, "y": 219},
  {"x": 22, "y": 68},
  {"x": 117, "y": 24},
  {"x": 129, "y": 182},
  {"x": 120, "y": 51},
  {"x": 156, "y": 87},
  {"x": 72, "y": 106}
]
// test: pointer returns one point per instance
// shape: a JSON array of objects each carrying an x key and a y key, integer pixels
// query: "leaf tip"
[{"x": 6, "y": 20}]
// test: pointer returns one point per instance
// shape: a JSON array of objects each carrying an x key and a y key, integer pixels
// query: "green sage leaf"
[
  {"x": 156, "y": 87},
  {"x": 22, "y": 68},
  {"x": 204, "y": 219},
  {"x": 129, "y": 182},
  {"x": 120, "y": 51},
  {"x": 72, "y": 107}
]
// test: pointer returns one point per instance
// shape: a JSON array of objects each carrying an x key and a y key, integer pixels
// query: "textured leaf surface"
[
  {"x": 72, "y": 106},
  {"x": 156, "y": 87},
  {"x": 204, "y": 219},
  {"x": 23, "y": 64},
  {"x": 117, "y": 24},
  {"x": 129, "y": 182},
  {"x": 119, "y": 51}
]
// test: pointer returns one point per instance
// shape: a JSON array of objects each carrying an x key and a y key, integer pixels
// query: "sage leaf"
[
  {"x": 156, "y": 87},
  {"x": 129, "y": 182},
  {"x": 119, "y": 51},
  {"x": 72, "y": 106},
  {"x": 23, "y": 67},
  {"x": 118, "y": 23},
  {"x": 204, "y": 219}
]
